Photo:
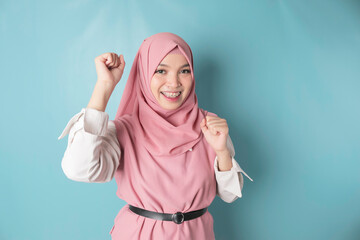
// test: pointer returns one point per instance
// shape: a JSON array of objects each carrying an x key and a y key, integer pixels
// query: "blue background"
[{"x": 285, "y": 75}]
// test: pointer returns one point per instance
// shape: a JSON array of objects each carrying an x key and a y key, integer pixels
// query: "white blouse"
[{"x": 93, "y": 153}]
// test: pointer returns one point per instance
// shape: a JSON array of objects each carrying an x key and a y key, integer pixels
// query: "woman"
[{"x": 168, "y": 156}]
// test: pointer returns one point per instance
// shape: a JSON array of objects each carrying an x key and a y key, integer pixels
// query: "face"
[{"x": 172, "y": 81}]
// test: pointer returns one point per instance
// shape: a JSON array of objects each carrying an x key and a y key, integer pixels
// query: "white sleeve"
[
  {"x": 229, "y": 184},
  {"x": 93, "y": 151}
]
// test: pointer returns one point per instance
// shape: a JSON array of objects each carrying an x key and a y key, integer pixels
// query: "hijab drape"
[{"x": 163, "y": 132}]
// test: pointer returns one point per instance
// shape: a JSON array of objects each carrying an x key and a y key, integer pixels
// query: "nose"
[{"x": 173, "y": 80}]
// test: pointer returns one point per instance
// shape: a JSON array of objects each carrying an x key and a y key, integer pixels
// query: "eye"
[
  {"x": 160, "y": 71},
  {"x": 185, "y": 71}
]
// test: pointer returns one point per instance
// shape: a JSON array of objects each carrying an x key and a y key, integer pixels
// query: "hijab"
[{"x": 162, "y": 132}]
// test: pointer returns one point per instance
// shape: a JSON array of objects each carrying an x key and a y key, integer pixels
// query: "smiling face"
[{"x": 172, "y": 81}]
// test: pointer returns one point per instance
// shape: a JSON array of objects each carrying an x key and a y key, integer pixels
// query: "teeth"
[{"x": 171, "y": 95}]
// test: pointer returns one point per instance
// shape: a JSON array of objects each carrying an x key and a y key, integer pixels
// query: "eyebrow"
[{"x": 185, "y": 65}]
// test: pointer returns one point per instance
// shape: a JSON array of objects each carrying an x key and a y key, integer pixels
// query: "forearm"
[
  {"x": 224, "y": 161},
  {"x": 100, "y": 96}
]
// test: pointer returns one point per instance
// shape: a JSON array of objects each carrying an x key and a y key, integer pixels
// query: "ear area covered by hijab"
[{"x": 163, "y": 132}]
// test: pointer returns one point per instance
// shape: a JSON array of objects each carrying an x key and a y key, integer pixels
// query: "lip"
[{"x": 172, "y": 99}]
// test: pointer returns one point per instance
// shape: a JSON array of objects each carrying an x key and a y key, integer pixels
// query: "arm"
[
  {"x": 229, "y": 184},
  {"x": 93, "y": 151},
  {"x": 227, "y": 171},
  {"x": 109, "y": 68}
]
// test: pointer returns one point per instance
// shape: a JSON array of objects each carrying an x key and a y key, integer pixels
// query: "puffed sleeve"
[
  {"x": 93, "y": 150},
  {"x": 229, "y": 184}
]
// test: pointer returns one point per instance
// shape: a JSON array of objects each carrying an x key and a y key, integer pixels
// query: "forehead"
[{"x": 173, "y": 59}]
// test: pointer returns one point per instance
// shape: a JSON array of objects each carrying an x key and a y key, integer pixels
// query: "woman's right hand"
[{"x": 109, "y": 68}]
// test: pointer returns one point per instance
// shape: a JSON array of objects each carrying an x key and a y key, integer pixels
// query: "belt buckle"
[{"x": 178, "y": 217}]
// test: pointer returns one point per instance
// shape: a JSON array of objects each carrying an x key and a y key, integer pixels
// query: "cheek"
[
  {"x": 188, "y": 84},
  {"x": 155, "y": 85}
]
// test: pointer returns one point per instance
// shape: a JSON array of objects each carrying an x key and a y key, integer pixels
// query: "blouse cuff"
[
  {"x": 71, "y": 123},
  {"x": 95, "y": 121},
  {"x": 231, "y": 180}
]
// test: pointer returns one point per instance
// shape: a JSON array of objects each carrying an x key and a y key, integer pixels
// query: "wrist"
[
  {"x": 223, "y": 154},
  {"x": 224, "y": 160},
  {"x": 107, "y": 86},
  {"x": 100, "y": 96}
]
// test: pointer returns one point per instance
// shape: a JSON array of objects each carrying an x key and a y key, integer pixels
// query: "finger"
[
  {"x": 203, "y": 126},
  {"x": 209, "y": 123},
  {"x": 102, "y": 58},
  {"x": 203, "y": 123},
  {"x": 216, "y": 120},
  {"x": 106, "y": 57},
  {"x": 122, "y": 62},
  {"x": 112, "y": 64},
  {"x": 117, "y": 61},
  {"x": 220, "y": 124},
  {"x": 100, "y": 63},
  {"x": 113, "y": 60},
  {"x": 109, "y": 59},
  {"x": 220, "y": 128},
  {"x": 212, "y": 117},
  {"x": 213, "y": 131}
]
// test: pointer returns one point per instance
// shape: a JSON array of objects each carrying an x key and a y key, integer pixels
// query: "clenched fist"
[
  {"x": 216, "y": 131},
  {"x": 109, "y": 68}
]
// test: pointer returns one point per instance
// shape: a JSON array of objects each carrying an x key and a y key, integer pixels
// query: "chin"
[{"x": 170, "y": 108}]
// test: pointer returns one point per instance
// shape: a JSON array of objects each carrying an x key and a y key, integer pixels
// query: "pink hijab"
[{"x": 162, "y": 132}]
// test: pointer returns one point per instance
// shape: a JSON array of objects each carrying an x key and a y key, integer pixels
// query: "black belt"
[{"x": 177, "y": 217}]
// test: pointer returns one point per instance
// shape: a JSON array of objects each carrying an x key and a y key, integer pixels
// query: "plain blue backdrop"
[{"x": 285, "y": 75}]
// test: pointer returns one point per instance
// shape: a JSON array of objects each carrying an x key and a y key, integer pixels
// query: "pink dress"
[{"x": 183, "y": 184}]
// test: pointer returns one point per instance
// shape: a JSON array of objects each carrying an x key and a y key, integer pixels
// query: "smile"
[{"x": 171, "y": 96}]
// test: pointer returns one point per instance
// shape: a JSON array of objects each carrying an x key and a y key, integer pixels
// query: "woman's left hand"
[{"x": 216, "y": 131}]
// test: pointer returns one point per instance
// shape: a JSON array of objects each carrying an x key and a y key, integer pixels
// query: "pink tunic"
[{"x": 184, "y": 183}]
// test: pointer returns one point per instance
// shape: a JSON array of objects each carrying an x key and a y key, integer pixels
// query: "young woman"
[{"x": 169, "y": 157}]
